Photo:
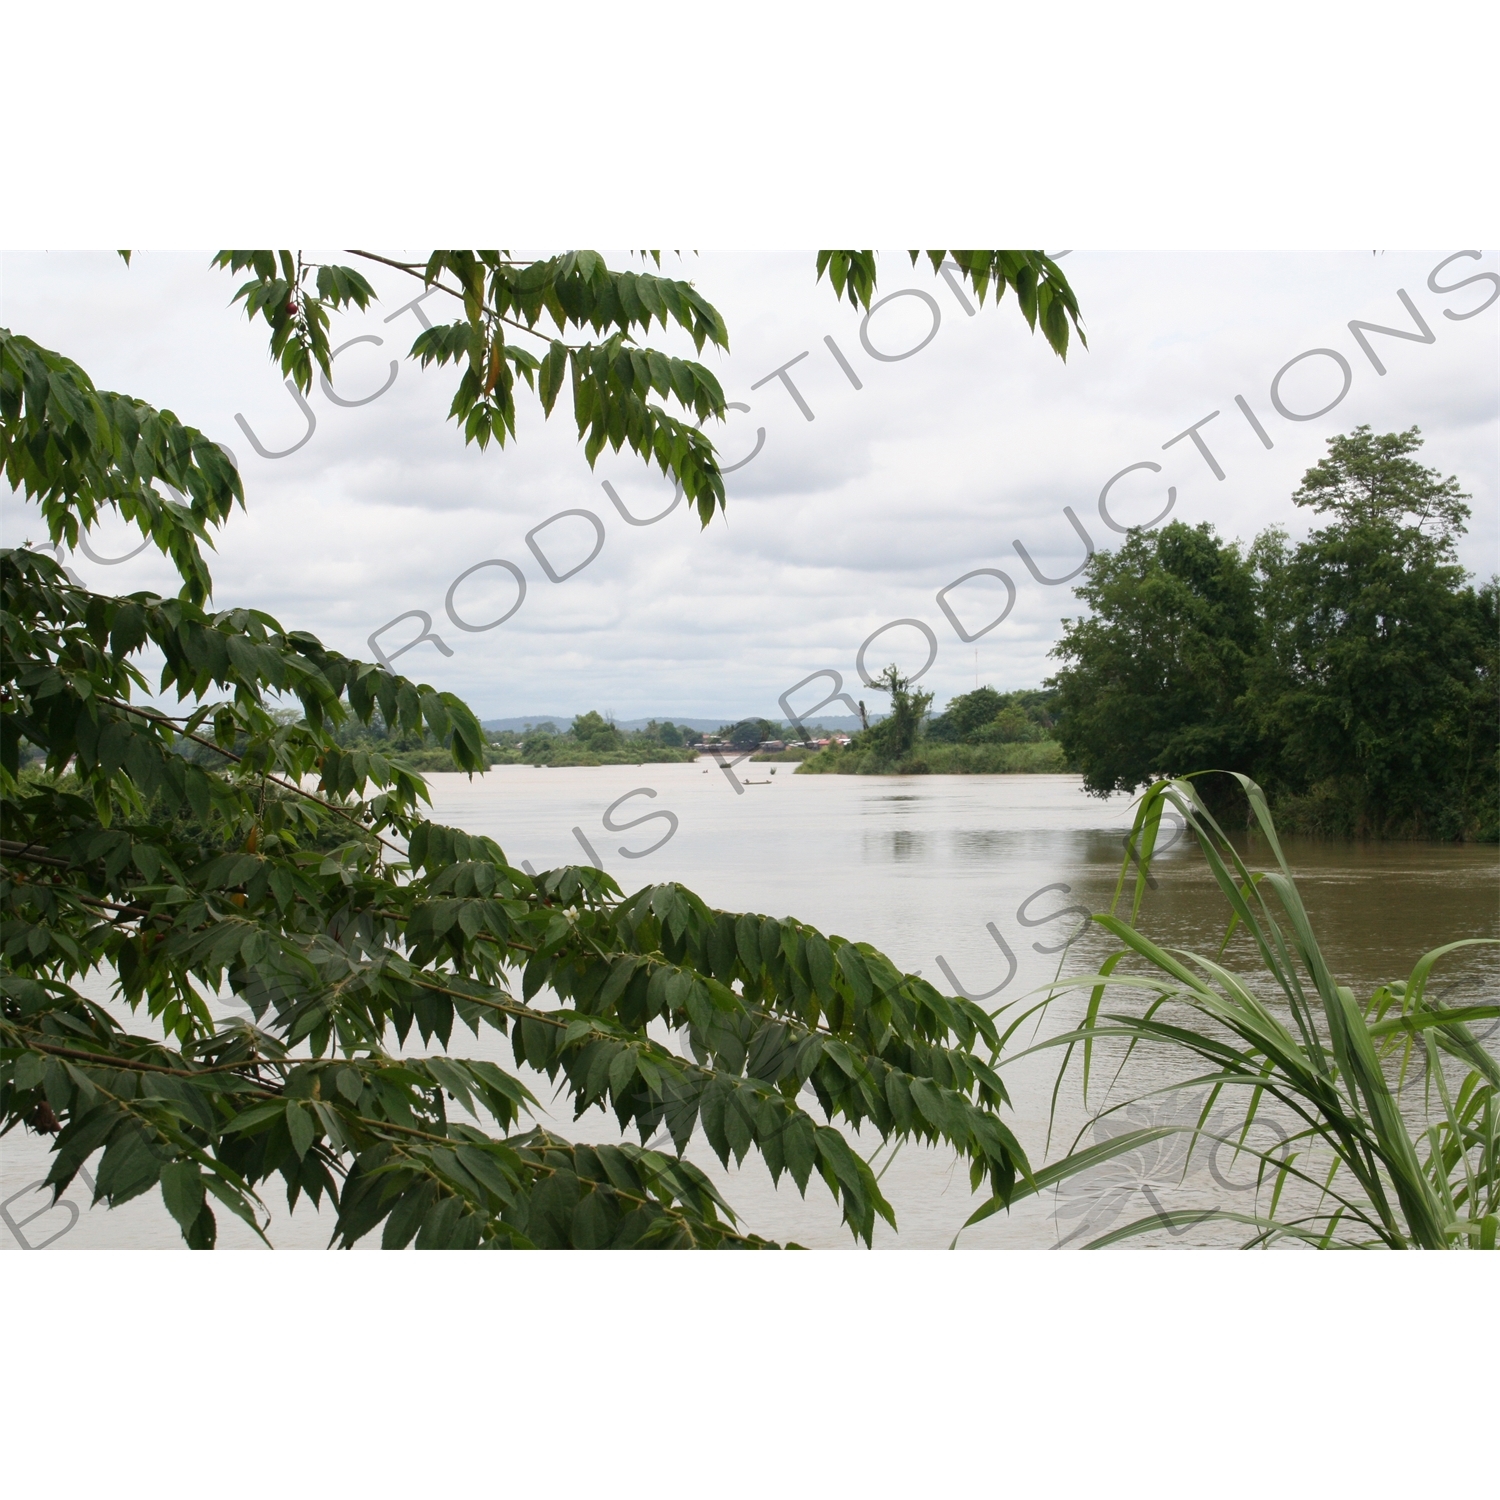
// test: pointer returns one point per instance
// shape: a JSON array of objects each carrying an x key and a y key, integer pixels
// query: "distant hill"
[{"x": 826, "y": 721}]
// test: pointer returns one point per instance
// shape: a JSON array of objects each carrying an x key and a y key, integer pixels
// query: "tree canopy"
[
  {"x": 1353, "y": 675},
  {"x": 189, "y": 841},
  {"x": 1157, "y": 671}
]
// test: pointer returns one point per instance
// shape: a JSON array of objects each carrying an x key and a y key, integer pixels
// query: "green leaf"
[
  {"x": 300, "y": 1126},
  {"x": 591, "y": 1227},
  {"x": 182, "y": 1192},
  {"x": 130, "y": 1166},
  {"x": 28, "y": 1070}
]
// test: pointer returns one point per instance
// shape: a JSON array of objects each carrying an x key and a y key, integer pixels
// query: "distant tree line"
[{"x": 590, "y": 740}]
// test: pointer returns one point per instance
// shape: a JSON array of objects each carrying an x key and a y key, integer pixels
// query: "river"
[{"x": 924, "y": 868}]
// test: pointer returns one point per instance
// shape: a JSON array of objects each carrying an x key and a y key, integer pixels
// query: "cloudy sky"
[{"x": 939, "y": 463}]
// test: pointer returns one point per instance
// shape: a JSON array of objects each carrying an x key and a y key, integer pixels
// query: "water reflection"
[
  {"x": 901, "y": 845},
  {"x": 982, "y": 845}
]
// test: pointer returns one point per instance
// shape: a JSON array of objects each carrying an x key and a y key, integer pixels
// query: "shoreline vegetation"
[
  {"x": 983, "y": 733},
  {"x": 591, "y": 740},
  {"x": 1044, "y": 757}
]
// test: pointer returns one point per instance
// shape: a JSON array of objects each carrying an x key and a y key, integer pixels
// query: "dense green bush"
[
  {"x": 1354, "y": 676},
  {"x": 987, "y": 717}
]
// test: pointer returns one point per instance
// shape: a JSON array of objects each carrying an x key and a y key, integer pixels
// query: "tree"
[
  {"x": 893, "y": 737},
  {"x": 1377, "y": 685},
  {"x": 1011, "y": 726},
  {"x": 967, "y": 713},
  {"x": 987, "y": 717},
  {"x": 595, "y": 732},
  {"x": 667, "y": 734},
  {"x": 1353, "y": 676},
  {"x": 301, "y": 874},
  {"x": 1153, "y": 679}
]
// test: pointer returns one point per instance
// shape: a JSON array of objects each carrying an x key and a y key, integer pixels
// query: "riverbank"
[{"x": 933, "y": 758}]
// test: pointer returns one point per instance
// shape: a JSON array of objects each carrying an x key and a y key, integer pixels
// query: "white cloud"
[{"x": 936, "y": 466}]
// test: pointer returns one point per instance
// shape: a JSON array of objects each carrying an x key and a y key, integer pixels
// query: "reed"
[{"x": 1355, "y": 1171}]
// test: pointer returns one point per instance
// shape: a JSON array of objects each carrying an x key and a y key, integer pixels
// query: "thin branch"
[
  {"x": 23, "y": 851},
  {"x": 420, "y": 275},
  {"x": 411, "y": 268},
  {"x": 111, "y": 1060}
]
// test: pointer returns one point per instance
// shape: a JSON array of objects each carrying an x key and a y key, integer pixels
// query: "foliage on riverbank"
[
  {"x": 561, "y": 753},
  {"x": 1355, "y": 676},
  {"x": 930, "y": 758},
  {"x": 983, "y": 733},
  {"x": 591, "y": 740}
]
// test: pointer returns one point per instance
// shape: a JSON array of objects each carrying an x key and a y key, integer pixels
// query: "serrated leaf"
[
  {"x": 182, "y": 1192},
  {"x": 300, "y": 1127}
]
